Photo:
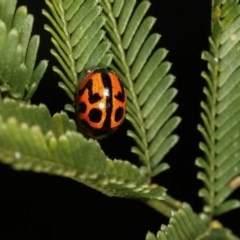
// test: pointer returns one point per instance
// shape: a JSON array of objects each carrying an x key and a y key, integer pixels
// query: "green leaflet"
[
  {"x": 78, "y": 40},
  {"x": 183, "y": 225},
  {"x": 30, "y": 139},
  {"x": 220, "y": 126},
  {"x": 19, "y": 77},
  {"x": 145, "y": 73},
  {"x": 187, "y": 225}
]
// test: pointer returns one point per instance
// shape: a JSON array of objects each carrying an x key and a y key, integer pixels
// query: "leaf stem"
[
  {"x": 166, "y": 206},
  {"x": 125, "y": 71},
  {"x": 209, "y": 115},
  {"x": 213, "y": 107},
  {"x": 62, "y": 41}
]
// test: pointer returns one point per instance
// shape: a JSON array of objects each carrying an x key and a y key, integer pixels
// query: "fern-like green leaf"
[
  {"x": 32, "y": 115},
  {"x": 30, "y": 139},
  {"x": 187, "y": 225},
  {"x": 183, "y": 225},
  {"x": 18, "y": 76},
  {"x": 78, "y": 40},
  {"x": 220, "y": 126},
  {"x": 145, "y": 74}
]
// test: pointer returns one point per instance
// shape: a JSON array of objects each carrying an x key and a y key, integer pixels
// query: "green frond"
[
  {"x": 78, "y": 40},
  {"x": 220, "y": 126},
  {"x": 183, "y": 225},
  {"x": 36, "y": 115},
  {"x": 19, "y": 77},
  {"x": 187, "y": 225},
  {"x": 145, "y": 74},
  {"x": 30, "y": 139}
]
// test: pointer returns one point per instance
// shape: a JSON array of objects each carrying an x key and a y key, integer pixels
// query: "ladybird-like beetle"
[{"x": 100, "y": 103}]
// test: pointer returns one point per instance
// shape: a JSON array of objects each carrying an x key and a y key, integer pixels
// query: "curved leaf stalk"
[
  {"x": 220, "y": 128},
  {"x": 121, "y": 66},
  {"x": 165, "y": 207},
  {"x": 63, "y": 51},
  {"x": 145, "y": 76}
]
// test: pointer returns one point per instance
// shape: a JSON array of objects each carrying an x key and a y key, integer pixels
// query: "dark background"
[{"x": 40, "y": 206}]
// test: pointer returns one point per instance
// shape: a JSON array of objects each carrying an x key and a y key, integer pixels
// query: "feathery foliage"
[
  {"x": 80, "y": 44},
  {"x": 78, "y": 39},
  {"x": 33, "y": 140},
  {"x": 18, "y": 49},
  {"x": 88, "y": 34},
  {"x": 144, "y": 72},
  {"x": 187, "y": 225},
  {"x": 220, "y": 126},
  {"x": 30, "y": 139}
]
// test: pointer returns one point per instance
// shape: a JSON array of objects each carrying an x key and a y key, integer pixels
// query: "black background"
[{"x": 37, "y": 206}]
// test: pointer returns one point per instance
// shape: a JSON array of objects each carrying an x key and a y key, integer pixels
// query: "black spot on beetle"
[
  {"x": 93, "y": 98},
  {"x": 119, "y": 114},
  {"x": 95, "y": 115}
]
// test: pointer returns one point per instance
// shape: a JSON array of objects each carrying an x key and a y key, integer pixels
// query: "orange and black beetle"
[{"x": 100, "y": 103}]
